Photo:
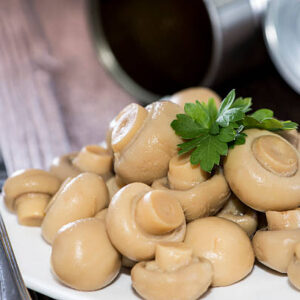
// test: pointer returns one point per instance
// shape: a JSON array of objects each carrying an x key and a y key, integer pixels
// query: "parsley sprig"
[{"x": 210, "y": 132}]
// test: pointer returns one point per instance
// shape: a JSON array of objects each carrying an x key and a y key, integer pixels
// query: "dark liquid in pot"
[{"x": 163, "y": 45}]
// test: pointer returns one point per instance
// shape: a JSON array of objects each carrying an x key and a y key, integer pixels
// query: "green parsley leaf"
[
  {"x": 186, "y": 127},
  {"x": 227, "y": 134},
  {"x": 267, "y": 123},
  {"x": 208, "y": 152},
  {"x": 243, "y": 103},
  {"x": 209, "y": 132},
  {"x": 198, "y": 113},
  {"x": 228, "y": 112},
  {"x": 262, "y": 114}
]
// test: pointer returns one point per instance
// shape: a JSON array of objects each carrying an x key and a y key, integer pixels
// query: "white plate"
[{"x": 33, "y": 253}]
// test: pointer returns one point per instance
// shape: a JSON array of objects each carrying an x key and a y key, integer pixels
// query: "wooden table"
[{"x": 55, "y": 96}]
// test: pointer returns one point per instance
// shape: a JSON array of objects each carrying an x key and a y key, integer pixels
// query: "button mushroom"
[
  {"x": 91, "y": 158},
  {"x": 244, "y": 216},
  {"x": 81, "y": 197},
  {"x": 126, "y": 262},
  {"x": 225, "y": 245},
  {"x": 198, "y": 196},
  {"x": 280, "y": 220},
  {"x": 293, "y": 270},
  {"x": 202, "y": 94},
  {"x": 264, "y": 171},
  {"x": 101, "y": 214},
  {"x": 62, "y": 166},
  {"x": 275, "y": 248},
  {"x": 95, "y": 159},
  {"x": 174, "y": 274},
  {"x": 144, "y": 142},
  {"x": 83, "y": 257},
  {"x": 28, "y": 192},
  {"x": 114, "y": 184},
  {"x": 139, "y": 217}
]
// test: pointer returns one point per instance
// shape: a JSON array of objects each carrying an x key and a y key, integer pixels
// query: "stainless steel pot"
[{"x": 230, "y": 36}]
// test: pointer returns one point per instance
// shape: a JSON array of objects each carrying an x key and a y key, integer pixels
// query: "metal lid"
[{"x": 282, "y": 35}]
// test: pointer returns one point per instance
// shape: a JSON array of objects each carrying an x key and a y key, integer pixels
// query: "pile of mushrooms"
[{"x": 136, "y": 203}]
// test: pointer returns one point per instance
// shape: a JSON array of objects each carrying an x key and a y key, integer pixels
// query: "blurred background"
[{"x": 67, "y": 67}]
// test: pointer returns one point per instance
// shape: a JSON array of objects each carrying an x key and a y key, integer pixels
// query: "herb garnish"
[{"x": 210, "y": 132}]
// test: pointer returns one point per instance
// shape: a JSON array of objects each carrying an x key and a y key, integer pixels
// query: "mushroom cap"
[
  {"x": 62, "y": 166},
  {"x": 186, "y": 282},
  {"x": 83, "y": 257},
  {"x": 182, "y": 175},
  {"x": 81, "y": 197},
  {"x": 202, "y": 94},
  {"x": 127, "y": 234},
  {"x": 239, "y": 213},
  {"x": 275, "y": 248},
  {"x": 282, "y": 220},
  {"x": 29, "y": 181},
  {"x": 147, "y": 153},
  {"x": 95, "y": 159},
  {"x": 225, "y": 245},
  {"x": 293, "y": 270},
  {"x": 257, "y": 172},
  {"x": 204, "y": 199}
]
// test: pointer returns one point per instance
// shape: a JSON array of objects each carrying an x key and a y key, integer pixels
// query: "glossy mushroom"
[
  {"x": 91, "y": 158},
  {"x": 144, "y": 142},
  {"x": 83, "y": 257},
  {"x": 125, "y": 261},
  {"x": 175, "y": 274},
  {"x": 239, "y": 213},
  {"x": 139, "y": 217},
  {"x": 264, "y": 171},
  {"x": 114, "y": 184},
  {"x": 82, "y": 197},
  {"x": 101, "y": 214},
  {"x": 293, "y": 270},
  {"x": 275, "y": 248},
  {"x": 281, "y": 220},
  {"x": 62, "y": 166},
  {"x": 27, "y": 192},
  {"x": 199, "y": 195},
  {"x": 202, "y": 94},
  {"x": 225, "y": 245},
  {"x": 94, "y": 159}
]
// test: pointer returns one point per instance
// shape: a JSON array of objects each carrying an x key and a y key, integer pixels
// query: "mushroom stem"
[
  {"x": 128, "y": 122},
  {"x": 158, "y": 212},
  {"x": 283, "y": 220},
  {"x": 171, "y": 256},
  {"x": 275, "y": 155},
  {"x": 30, "y": 208},
  {"x": 95, "y": 159},
  {"x": 183, "y": 175}
]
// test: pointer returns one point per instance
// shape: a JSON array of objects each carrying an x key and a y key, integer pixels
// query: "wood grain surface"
[{"x": 55, "y": 96}]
